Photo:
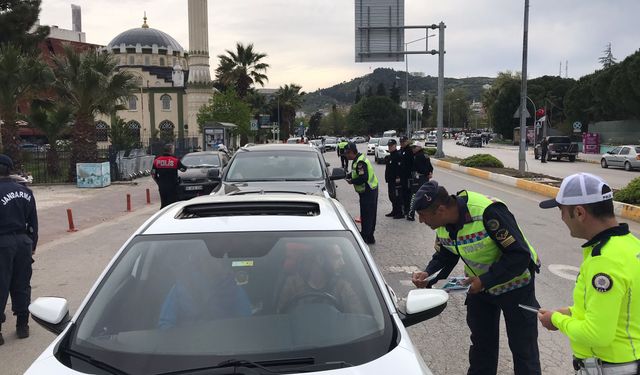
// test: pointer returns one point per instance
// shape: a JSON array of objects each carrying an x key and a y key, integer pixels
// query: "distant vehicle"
[
  {"x": 330, "y": 143},
  {"x": 279, "y": 168},
  {"x": 317, "y": 143},
  {"x": 31, "y": 147},
  {"x": 358, "y": 139},
  {"x": 431, "y": 140},
  {"x": 203, "y": 173},
  {"x": 294, "y": 140},
  {"x": 475, "y": 141},
  {"x": 371, "y": 146},
  {"x": 460, "y": 139},
  {"x": 419, "y": 135},
  {"x": 627, "y": 156},
  {"x": 559, "y": 147},
  {"x": 382, "y": 151},
  {"x": 389, "y": 133}
]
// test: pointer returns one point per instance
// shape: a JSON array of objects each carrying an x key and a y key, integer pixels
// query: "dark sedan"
[
  {"x": 279, "y": 168},
  {"x": 202, "y": 174}
]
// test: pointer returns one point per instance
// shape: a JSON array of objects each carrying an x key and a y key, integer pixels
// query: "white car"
[
  {"x": 222, "y": 285},
  {"x": 382, "y": 151},
  {"x": 371, "y": 146}
]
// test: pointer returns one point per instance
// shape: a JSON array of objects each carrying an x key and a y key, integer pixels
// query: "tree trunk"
[
  {"x": 53, "y": 168},
  {"x": 10, "y": 138},
  {"x": 83, "y": 147}
]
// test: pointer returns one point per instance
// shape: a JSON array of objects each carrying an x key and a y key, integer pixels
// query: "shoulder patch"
[
  {"x": 493, "y": 224},
  {"x": 502, "y": 234},
  {"x": 602, "y": 282}
]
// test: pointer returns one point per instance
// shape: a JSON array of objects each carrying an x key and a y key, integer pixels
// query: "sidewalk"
[{"x": 90, "y": 207}]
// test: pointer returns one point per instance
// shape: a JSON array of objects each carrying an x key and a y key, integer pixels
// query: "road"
[
  {"x": 69, "y": 265},
  {"x": 617, "y": 178}
]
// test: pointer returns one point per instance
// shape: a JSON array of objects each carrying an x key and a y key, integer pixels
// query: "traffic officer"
[
  {"x": 603, "y": 324},
  {"x": 421, "y": 172},
  {"x": 18, "y": 239},
  {"x": 365, "y": 183},
  {"x": 165, "y": 174},
  {"x": 392, "y": 178},
  {"x": 544, "y": 148},
  {"x": 405, "y": 173},
  {"x": 499, "y": 265},
  {"x": 340, "y": 148}
]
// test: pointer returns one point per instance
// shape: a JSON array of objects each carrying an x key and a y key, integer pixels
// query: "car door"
[
  {"x": 624, "y": 155},
  {"x": 613, "y": 159}
]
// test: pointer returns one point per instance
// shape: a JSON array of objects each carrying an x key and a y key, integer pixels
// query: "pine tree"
[
  {"x": 381, "y": 90},
  {"x": 394, "y": 93},
  {"x": 607, "y": 60},
  {"x": 358, "y": 95}
]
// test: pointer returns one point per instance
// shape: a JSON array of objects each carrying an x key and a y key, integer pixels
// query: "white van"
[{"x": 389, "y": 133}]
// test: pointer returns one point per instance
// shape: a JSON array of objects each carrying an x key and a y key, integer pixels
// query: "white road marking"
[{"x": 564, "y": 271}]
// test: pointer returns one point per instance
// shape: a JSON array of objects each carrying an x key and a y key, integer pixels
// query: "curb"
[{"x": 623, "y": 210}]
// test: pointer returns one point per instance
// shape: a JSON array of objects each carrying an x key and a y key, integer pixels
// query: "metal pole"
[
  {"x": 406, "y": 59},
  {"x": 278, "y": 119},
  {"x": 440, "y": 151},
  {"x": 523, "y": 93}
]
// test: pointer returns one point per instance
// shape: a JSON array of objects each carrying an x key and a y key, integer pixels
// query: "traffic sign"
[
  {"x": 254, "y": 124},
  {"x": 577, "y": 125}
]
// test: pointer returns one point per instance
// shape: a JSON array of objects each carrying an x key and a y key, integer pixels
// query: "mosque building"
[{"x": 173, "y": 83}]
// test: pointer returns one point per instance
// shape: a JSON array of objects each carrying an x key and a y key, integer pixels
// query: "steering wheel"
[{"x": 331, "y": 299}]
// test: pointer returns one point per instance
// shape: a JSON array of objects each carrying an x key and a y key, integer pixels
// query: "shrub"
[
  {"x": 430, "y": 151},
  {"x": 630, "y": 193},
  {"x": 481, "y": 160}
]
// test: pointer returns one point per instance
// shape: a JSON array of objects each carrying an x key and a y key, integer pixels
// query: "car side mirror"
[
  {"x": 423, "y": 304},
  {"x": 338, "y": 174},
  {"x": 214, "y": 174},
  {"x": 52, "y": 313}
]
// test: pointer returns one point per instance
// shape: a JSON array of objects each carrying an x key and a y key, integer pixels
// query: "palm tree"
[
  {"x": 22, "y": 75},
  {"x": 242, "y": 69},
  {"x": 89, "y": 83},
  {"x": 289, "y": 98},
  {"x": 53, "y": 122}
]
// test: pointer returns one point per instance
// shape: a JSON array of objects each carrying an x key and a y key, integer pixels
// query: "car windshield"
[
  {"x": 275, "y": 166},
  {"x": 637, "y": 150},
  {"x": 175, "y": 302},
  {"x": 559, "y": 140},
  {"x": 385, "y": 141},
  {"x": 196, "y": 160},
  {"x": 330, "y": 140},
  {"x": 374, "y": 141}
]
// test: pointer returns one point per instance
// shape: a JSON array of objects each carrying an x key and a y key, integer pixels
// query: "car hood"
[
  {"x": 303, "y": 187},
  {"x": 196, "y": 172}
]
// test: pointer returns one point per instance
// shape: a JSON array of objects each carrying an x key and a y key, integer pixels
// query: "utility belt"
[
  {"x": 596, "y": 366},
  {"x": 417, "y": 180}
]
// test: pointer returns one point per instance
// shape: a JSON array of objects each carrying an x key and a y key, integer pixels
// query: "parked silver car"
[{"x": 627, "y": 156}]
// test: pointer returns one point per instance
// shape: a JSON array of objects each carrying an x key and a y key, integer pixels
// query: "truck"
[{"x": 560, "y": 146}]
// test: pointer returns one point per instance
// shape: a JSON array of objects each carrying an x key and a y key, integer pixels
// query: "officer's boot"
[{"x": 22, "y": 326}]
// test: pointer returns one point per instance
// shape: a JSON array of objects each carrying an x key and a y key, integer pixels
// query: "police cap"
[
  {"x": 351, "y": 147},
  {"x": 392, "y": 142},
  {"x": 426, "y": 195},
  {"x": 5, "y": 160}
]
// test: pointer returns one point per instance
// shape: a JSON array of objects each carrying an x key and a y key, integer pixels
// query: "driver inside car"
[
  {"x": 205, "y": 290},
  {"x": 319, "y": 278}
]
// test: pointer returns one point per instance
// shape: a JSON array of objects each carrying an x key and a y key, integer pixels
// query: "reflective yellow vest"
[
  {"x": 342, "y": 145},
  {"x": 605, "y": 316},
  {"x": 373, "y": 180},
  {"x": 478, "y": 250}
]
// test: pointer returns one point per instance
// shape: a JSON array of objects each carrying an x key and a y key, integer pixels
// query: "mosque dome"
[{"x": 146, "y": 37}]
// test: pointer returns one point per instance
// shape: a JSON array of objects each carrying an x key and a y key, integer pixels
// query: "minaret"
[
  {"x": 198, "y": 42},
  {"x": 199, "y": 85}
]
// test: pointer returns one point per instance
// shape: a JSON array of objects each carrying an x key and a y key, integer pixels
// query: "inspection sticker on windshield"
[{"x": 242, "y": 263}]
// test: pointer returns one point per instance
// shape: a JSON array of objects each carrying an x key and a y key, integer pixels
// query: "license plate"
[{"x": 195, "y": 187}]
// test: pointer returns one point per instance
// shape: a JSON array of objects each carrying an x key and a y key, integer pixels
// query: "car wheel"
[
  {"x": 572, "y": 158},
  {"x": 627, "y": 166},
  {"x": 603, "y": 163}
]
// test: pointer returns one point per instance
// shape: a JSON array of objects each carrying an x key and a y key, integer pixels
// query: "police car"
[{"x": 274, "y": 283}]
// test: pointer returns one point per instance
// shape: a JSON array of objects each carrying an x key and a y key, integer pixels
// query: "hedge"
[
  {"x": 430, "y": 151},
  {"x": 630, "y": 193},
  {"x": 481, "y": 160}
]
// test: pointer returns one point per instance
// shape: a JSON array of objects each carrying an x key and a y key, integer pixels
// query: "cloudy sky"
[{"x": 311, "y": 42}]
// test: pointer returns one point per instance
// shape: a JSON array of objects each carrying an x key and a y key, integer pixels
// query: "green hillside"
[{"x": 344, "y": 93}]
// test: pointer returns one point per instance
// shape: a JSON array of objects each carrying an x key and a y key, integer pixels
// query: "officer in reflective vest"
[
  {"x": 165, "y": 173},
  {"x": 499, "y": 265},
  {"x": 343, "y": 160},
  {"x": 365, "y": 182},
  {"x": 603, "y": 324}
]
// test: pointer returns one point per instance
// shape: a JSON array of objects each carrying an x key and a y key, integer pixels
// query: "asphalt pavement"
[{"x": 68, "y": 264}]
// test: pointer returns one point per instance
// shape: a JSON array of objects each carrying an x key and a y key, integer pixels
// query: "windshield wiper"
[
  {"x": 94, "y": 362},
  {"x": 242, "y": 363},
  {"x": 330, "y": 365}
]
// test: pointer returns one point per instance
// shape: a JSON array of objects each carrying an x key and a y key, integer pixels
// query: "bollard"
[
  {"x": 128, "y": 202},
  {"x": 148, "y": 197},
  {"x": 72, "y": 228}
]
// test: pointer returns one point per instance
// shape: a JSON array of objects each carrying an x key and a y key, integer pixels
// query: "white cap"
[
  {"x": 418, "y": 144},
  {"x": 578, "y": 189}
]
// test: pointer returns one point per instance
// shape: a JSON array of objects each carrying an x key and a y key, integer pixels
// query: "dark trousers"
[
  {"x": 368, "y": 213},
  {"x": 344, "y": 162},
  {"x": 483, "y": 318},
  {"x": 406, "y": 195},
  {"x": 15, "y": 273},
  {"x": 543, "y": 156},
  {"x": 168, "y": 195},
  {"x": 415, "y": 185},
  {"x": 395, "y": 197}
]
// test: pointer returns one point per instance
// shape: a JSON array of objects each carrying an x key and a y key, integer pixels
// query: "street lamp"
[{"x": 407, "y": 75}]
